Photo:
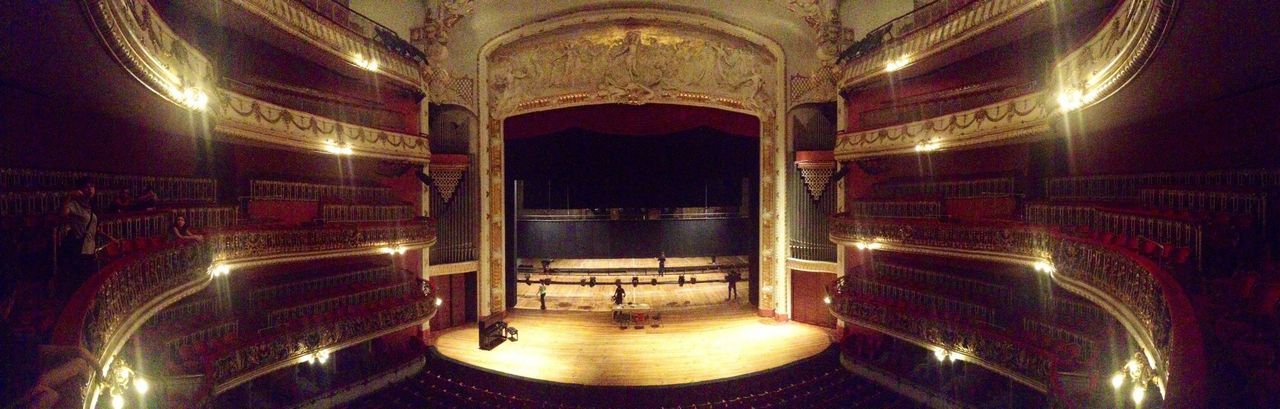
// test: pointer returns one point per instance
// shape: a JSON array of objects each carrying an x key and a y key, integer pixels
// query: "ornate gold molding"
[
  {"x": 1126, "y": 287},
  {"x": 254, "y": 119},
  {"x": 632, "y": 56},
  {"x": 976, "y": 18},
  {"x": 1023, "y": 116},
  {"x": 300, "y": 21},
  {"x": 1108, "y": 60},
  {"x": 149, "y": 50}
]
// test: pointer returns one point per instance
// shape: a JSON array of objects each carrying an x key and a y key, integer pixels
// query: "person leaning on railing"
[{"x": 78, "y": 248}]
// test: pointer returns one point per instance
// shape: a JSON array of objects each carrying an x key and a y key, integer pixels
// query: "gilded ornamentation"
[
  {"x": 248, "y": 361},
  {"x": 251, "y": 118},
  {"x": 1023, "y": 116},
  {"x": 917, "y": 43},
  {"x": 1116, "y": 52},
  {"x": 655, "y": 57},
  {"x": 817, "y": 88},
  {"x": 296, "y": 19},
  {"x": 656, "y": 62},
  {"x": 1136, "y": 292},
  {"x": 136, "y": 35}
]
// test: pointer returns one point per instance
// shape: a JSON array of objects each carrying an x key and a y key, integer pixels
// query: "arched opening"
[{"x": 668, "y": 190}]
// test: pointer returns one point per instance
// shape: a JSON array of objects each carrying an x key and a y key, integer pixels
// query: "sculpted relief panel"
[{"x": 635, "y": 65}]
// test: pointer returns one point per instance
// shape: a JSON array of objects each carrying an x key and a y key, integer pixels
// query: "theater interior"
[{"x": 937, "y": 204}]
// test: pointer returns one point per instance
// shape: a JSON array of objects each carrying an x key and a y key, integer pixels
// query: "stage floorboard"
[{"x": 587, "y": 348}]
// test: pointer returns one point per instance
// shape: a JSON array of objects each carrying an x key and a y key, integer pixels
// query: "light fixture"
[
  {"x": 117, "y": 401},
  {"x": 439, "y": 301},
  {"x": 141, "y": 385},
  {"x": 394, "y": 250},
  {"x": 941, "y": 354},
  {"x": 1139, "y": 393},
  {"x": 220, "y": 270},
  {"x": 929, "y": 146},
  {"x": 190, "y": 97},
  {"x": 337, "y": 149},
  {"x": 1044, "y": 267},
  {"x": 1071, "y": 100},
  {"x": 826, "y": 299},
  {"x": 322, "y": 356},
  {"x": 895, "y": 64},
  {"x": 370, "y": 63},
  {"x": 1117, "y": 380}
]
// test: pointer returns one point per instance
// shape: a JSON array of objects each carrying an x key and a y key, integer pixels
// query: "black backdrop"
[{"x": 579, "y": 169}]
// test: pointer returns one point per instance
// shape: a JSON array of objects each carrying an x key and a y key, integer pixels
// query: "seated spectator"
[
  {"x": 124, "y": 202},
  {"x": 146, "y": 200},
  {"x": 180, "y": 230}
]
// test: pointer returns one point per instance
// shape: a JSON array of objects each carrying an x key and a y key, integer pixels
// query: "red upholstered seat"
[
  {"x": 1181, "y": 255},
  {"x": 1131, "y": 242},
  {"x": 1150, "y": 248}
]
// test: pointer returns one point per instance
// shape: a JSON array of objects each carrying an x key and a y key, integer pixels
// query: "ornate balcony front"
[
  {"x": 1098, "y": 68},
  {"x": 104, "y": 313},
  {"x": 1141, "y": 295}
]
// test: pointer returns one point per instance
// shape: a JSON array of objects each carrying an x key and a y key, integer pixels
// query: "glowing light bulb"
[
  {"x": 897, "y": 63},
  {"x": 1117, "y": 380},
  {"x": 1071, "y": 100},
  {"x": 117, "y": 401},
  {"x": 220, "y": 270},
  {"x": 322, "y": 356},
  {"x": 1139, "y": 393},
  {"x": 826, "y": 300},
  {"x": 439, "y": 302},
  {"x": 141, "y": 385},
  {"x": 940, "y": 354}
]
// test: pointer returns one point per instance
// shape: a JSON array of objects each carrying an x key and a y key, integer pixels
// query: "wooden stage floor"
[{"x": 587, "y": 348}]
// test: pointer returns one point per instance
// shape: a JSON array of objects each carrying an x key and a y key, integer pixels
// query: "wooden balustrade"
[
  {"x": 295, "y": 288},
  {"x": 1143, "y": 296},
  {"x": 271, "y": 352},
  {"x": 107, "y": 309},
  {"x": 948, "y": 283},
  {"x": 1129, "y": 187},
  {"x": 905, "y": 209},
  {"x": 932, "y": 303},
  {"x": 317, "y": 191},
  {"x": 1251, "y": 204},
  {"x": 998, "y": 350},
  {"x": 366, "y": 212},
  {"x": 168, "y": 188},
  {"x": 957, "y": 188}
]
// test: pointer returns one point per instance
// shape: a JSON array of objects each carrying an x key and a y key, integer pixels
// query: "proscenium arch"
[{"x": 761, "y": 94}]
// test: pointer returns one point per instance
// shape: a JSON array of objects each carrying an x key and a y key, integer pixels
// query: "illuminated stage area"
[
  {"x": 689, "y": 345},
  {"x": 705, "y": 283}
]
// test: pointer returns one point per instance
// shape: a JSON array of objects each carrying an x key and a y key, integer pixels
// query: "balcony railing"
[
  {"x": 925, "y": 209},
  {"x": 1030, "y": 364},
  {"x": 365, "y": 27},
  {"x": 959, "y": 101},
  {"x": 1129, "y": 187},
  {"x": 901, "y": 26},
  {"x": 956, "y": 188},
  {"x": 335, "y": 106},
  {"x": 119, "y": 298},
  {"x": 1142, "y": 296},
  {"x": 317, "y": 191},
  {"x": 274, "y": 351}
]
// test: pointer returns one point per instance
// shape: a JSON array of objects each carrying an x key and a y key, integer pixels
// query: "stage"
[{"x": 690, "y": 345}]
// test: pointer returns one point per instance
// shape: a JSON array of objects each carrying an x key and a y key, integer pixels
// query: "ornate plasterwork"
[
  {"x": 150, "y": 51},
  {"x": 255, "y": 119},
  {"x": 1116, "y": 53},
  {"x": 1108, "y": 60},
  {"x": 460, "y": 91},
  {"x": 299, "y": 21},
  {"x": 817, "y": 88},
  {"x": 1024, "y": 116},
  {"x": 632, "y": 56},
  {"x": 975, "y": 18}
]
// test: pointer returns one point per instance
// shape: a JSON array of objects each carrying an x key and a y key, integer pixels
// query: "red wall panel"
[{"x": 807, "y": 291}]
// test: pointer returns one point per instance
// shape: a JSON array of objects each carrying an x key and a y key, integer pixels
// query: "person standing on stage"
[
  {"x": 732, "y": 278},
  {"x": 662, "y": 263},
  {"x": 619, "y": 294},
  {"x": 542, "y": 293}
]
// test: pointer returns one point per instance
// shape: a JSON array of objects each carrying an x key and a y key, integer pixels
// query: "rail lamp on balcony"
[
  {"x": 118, "y": 378},
  {"x": 1134, "y": 371},
  {"x": 898, "y": 63}
]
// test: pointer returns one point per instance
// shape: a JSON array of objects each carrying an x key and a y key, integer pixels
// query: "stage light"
[
  {"x": 141, "y": 385},
  {"x": 897, "y": 63},
  {"x": 1117, "y": 380},
  {"x": 928, "y": 146}
]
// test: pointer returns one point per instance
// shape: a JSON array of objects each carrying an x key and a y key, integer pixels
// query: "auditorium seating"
[
  {"x": 170, "y": 189},
  {"x": 960, "y": 187},
  {"x": 817, "y": 382},
  {"x": 929, "y": 209},
  {"x": 342, "y": 212}
]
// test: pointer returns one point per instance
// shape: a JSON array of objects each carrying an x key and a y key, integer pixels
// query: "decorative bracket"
[
  {"x": 816, "y": 169},
  {"x": 446, "y": 174}
]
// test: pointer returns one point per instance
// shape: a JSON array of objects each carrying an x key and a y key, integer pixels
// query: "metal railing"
[{"x": 351, "y": 20}]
